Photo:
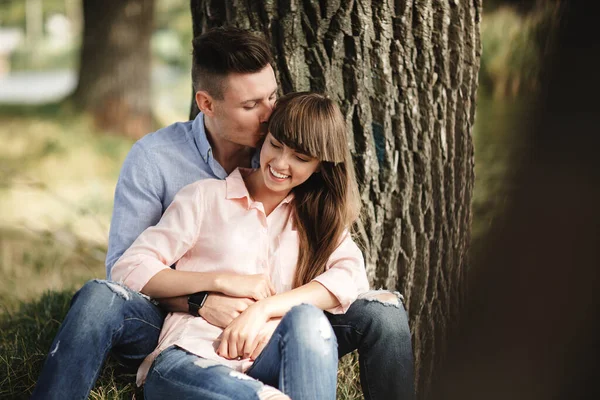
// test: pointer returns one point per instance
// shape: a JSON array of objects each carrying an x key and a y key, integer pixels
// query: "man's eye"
[{"x": 250, "y": 106}]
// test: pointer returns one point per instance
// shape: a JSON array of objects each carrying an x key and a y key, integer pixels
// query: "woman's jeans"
[
  {"x": 300, "y": 360},
  {"x": 105, "y": 317}
]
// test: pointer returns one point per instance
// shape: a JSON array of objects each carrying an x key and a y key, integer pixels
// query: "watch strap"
[{"x": 196, "y": 301}]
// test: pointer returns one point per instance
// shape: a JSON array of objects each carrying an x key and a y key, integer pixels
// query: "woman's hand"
[
  {"x": 264, "y": 336},
  {"x": 255, "y": 287},
  {"x": 240, "y": 338}
]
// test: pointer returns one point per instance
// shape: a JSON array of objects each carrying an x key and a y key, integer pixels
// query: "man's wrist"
[{"x": 195, "y": 302}]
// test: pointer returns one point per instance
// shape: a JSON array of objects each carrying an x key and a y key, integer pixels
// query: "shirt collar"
[
  {"x": 236, "y": 187},
  {"x": 201, "y": 139}
]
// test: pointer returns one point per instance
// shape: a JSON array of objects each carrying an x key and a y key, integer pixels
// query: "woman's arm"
[
  {"x": 145, "y": 266},
  {"x": 334, "y": 290}
]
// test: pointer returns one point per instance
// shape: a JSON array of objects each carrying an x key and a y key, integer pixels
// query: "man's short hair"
[{"x": 225, "y": 50}]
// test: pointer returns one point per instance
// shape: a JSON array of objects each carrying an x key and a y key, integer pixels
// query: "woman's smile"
[{"x": 276, "y": 175}]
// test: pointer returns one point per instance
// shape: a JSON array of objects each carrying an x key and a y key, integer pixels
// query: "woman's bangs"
[{"x": 310, "y": 127}]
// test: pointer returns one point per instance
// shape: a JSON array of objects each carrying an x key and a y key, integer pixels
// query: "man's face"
[{"x": 241, "y": 116}]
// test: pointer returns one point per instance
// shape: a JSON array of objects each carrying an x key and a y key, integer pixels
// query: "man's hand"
[{"x": 220, "y": 309}]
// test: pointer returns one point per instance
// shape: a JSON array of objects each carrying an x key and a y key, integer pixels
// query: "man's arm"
[
  {"x": 137, "y": 206},
  {"x": 218, "y": 309}
]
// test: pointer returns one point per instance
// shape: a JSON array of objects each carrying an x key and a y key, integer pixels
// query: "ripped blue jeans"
[
  {"x": 300, "y": 360},
  {"x": 107, "y": 318}
]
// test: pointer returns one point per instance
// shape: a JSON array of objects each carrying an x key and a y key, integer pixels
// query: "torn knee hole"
[
  {"x": 389, "y": 298},
  {"x": 120, "y": 290},
  {"x": 382, "y": 296}
]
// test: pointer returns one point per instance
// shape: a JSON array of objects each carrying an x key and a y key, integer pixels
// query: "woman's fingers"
[
  {"x": 233, "y": 349},
  {"x": 260, "y": 345},
  {"x": 249, "y": 345}
]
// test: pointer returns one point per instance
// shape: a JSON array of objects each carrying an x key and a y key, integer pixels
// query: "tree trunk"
[
  {"x": 405, "y": 74},
  {"x": 114, "y": 76}
]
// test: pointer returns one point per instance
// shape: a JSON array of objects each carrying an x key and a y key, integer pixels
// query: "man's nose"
[{"x": 266, "y": 112}]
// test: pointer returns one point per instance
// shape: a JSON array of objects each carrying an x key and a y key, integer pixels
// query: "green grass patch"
[{"x": 25, "y": 339}]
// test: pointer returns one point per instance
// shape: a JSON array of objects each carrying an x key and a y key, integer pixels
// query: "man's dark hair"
[{"x": 225, "y": 50}]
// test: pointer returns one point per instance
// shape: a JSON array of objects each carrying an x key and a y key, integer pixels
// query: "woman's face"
[{"x": 282, "y": 167}]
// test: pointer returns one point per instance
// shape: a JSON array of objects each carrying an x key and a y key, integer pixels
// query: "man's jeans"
[
  {"x": 300, "y": 360},
  {"x": 105, "y": 316}
]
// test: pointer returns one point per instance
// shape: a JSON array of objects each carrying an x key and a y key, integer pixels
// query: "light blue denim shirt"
[{"x": 156, "y": 168}]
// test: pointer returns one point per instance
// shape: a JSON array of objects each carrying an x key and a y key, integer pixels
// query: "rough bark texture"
[
  {"x": 114, "y": 76},
  {"x": 405, "y": 74}
]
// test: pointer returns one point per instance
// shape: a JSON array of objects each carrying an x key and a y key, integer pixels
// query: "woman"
[{"x": 277, "y": 234}]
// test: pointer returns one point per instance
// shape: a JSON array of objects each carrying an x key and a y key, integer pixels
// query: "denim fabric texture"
[
  {"x": 300, "y": 360},
  {"x": 106, "y": 317}
]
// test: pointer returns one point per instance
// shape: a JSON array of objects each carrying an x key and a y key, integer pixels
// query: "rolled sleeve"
[
  {"x": 345, "y": 276},
  {"x": 160, "y": 246}
]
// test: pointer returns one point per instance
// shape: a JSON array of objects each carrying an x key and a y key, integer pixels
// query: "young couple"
[{"x": 268, "y": 288}]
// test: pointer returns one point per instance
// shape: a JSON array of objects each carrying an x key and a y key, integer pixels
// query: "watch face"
[{"x": 197, "y": 299}]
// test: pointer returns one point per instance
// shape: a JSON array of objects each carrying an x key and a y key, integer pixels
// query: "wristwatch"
[{"x": 196, "y": 301}]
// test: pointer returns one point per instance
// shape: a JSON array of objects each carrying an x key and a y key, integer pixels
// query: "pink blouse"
[{"x": 214, "y": 225}]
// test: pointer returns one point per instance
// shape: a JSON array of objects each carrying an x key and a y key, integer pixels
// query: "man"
[{"x": 235, "y": 93}]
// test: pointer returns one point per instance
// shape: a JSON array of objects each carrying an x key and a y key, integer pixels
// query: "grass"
[{"x": 25, "y": 338}]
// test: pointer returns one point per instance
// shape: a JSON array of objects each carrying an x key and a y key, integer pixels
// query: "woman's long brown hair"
[{"x": 327, "y": 203}]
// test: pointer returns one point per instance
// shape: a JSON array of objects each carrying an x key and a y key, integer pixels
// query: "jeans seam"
[
  {"x": 283, "y": 363},
  {"x": 141, "y": 320},
  {"x": 105, "y": 352},
  {"x": 368, "y": 395}
]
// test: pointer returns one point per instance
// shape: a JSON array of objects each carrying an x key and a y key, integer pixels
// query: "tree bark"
[
  {"x": 114, "y": 76},
  {"x": 405, "y": 75}
]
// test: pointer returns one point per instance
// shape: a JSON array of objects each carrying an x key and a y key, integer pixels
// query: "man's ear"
[{"x": 205, "y": 103}]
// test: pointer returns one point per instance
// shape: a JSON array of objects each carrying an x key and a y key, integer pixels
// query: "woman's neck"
[{"x": 260, "y": 192}]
